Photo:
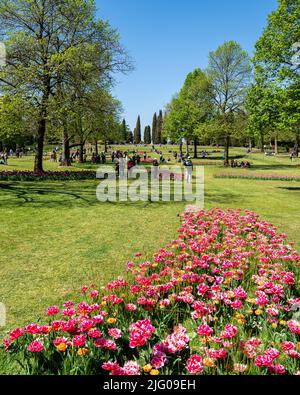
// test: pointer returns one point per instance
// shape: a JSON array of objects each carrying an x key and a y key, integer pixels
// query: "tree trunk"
[
  {"x": 81, "y": 146},
  {"x": 276, "y": 144},
  {"x": 187, "y": 147},
  {"x": 180, "y": 147},
  {"x": 65, "y": 150},
  {"x": 38, "y": 161},
  {"x": 195, "y": 149},
  {"x": 226, "y": 151},
  {"x": 105, "y": 146},
  {"x": 297, "y": 144},
  {"x": 262, "y": 142},
  {"x": 96, "y": 147}
]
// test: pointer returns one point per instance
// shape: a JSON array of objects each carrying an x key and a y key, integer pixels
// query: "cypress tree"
[
  {"x": 164, "y": 138},
  {"x": 154, "y": 129},
  {"x": 130, "y": 137},
  {"x": 147, "y": 135},
  {"x": 137, "y": 131},
  {"x": 124, "y": 132},
  {"x": 159, "y": 127}
]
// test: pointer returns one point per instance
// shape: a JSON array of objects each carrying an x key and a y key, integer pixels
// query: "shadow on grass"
[
  {"x": 42, "y": 195},
  {"x": 290, "y": 188},
  {"x": 221, "y": 198}
]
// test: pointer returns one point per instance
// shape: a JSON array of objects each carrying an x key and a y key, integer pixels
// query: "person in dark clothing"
[{"x": 188, "y": 164}]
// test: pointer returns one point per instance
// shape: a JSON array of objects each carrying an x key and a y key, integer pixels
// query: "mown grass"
[{"x": 56, "y": 237}]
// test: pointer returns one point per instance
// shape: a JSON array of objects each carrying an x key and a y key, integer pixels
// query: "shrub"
[{"x": 25, "y": 175}]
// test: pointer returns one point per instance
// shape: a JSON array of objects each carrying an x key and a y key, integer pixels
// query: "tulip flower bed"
[
  {"x": 221, "y": 299},
  {"x": 268, "y": 177},
  {"x": 24, "y": 175}
]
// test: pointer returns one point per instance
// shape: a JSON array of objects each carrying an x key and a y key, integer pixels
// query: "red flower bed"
[
  {"x": 221, "y": 299},
  {"x": 263, "y": 177}
]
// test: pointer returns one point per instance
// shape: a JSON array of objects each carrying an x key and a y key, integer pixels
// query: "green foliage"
[
  {"x": 154, "y": 129},
  {"x": 277, "y": 66},
  {"x": 125, "y": 133},
  {"x": 137, "y": 132},
  {"x": 160, "y": 122},
  {"x": 190, "y": 109},
  {"x": 147, "y": 135},
  {"x": 58, "y": 55},
  {"x": 275, "y": 50}
]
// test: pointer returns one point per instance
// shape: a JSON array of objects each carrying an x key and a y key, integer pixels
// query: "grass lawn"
[{"x": 56, "y": 237}]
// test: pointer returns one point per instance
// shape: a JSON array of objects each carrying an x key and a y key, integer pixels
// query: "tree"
[
  {"x": 230, "y": 72},
  {"x": 276, "y": 49},
  {"x": 147, "y": 135},
  {"x": 16, "y": 122},
  {"x": 160, "y": 121},
  {"x": 190, "y": 110},
  {"x": 154, "y": 129},
  {"x": 277, "y": 62},
  {"x": 264, "y": 107},
  {"x": 124, "y": 131},
  {"x": 137, "y": 132},
  {"x": 41, "y": 38},
  {"x": 130, "y": 137}
]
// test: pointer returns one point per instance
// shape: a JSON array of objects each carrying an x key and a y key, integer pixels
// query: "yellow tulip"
[
  {"x": 82, "y": 352},
  {"x": 111, "y": 320},
  {"x": 147, "y": 368},
  {"x": 62, "y": 347},
  {"x": 209, "y": 362}
]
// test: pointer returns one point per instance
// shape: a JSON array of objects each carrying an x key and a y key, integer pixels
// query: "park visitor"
[{"x": 188, "y": 164}]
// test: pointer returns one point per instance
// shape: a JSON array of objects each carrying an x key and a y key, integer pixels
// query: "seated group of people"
[
  {"x": 98, "y": 159},
  {"x": 242, "y": 164}
]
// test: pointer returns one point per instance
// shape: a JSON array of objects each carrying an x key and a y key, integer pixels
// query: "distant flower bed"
[
  {"x": 19, "y": 175},
  {"x": 208, "y": 162},
  {"x": 270, "y": 177},
  {"x": 221, "y": 299},
  {"x": 195, "y": 162}
]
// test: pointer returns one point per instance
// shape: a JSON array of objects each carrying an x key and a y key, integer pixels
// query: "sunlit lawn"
[{"x": 56, "y": 237}]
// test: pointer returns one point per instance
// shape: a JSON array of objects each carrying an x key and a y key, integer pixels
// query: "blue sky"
[{"x": 169, "y": 38}]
